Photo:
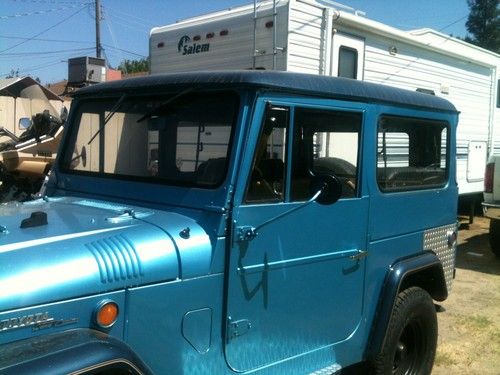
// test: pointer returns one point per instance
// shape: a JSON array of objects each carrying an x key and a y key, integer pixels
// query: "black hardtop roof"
[{"x": 325, "y": 86}]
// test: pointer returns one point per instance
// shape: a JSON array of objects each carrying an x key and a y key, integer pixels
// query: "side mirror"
[
  {"x": 84, "y": 156},
  {"x": 64, "y": 114},
  {"x": 24, "y": 122},
  {"x": 330, "y": 187}
]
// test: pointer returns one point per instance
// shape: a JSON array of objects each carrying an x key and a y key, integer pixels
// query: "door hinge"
[
  {"x": 237, "y": 328},
  {"x": 246, "y": 233}
]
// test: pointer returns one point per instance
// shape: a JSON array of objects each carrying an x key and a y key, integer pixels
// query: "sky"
[{"x": 38, "y": 36}]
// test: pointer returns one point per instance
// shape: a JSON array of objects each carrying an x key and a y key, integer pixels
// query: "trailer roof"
[{"x": 325, "y": 86}]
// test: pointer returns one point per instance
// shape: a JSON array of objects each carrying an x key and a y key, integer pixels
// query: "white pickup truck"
[{"x": 491, "y": 204}]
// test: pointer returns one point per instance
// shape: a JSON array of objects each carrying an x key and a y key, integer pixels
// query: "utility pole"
[{"x": 98, "y": 28}]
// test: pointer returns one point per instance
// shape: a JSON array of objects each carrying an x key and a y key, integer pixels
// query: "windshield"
[{"x": 180, "y": 139}]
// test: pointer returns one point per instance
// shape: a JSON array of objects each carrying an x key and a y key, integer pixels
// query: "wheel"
[
  {"x": 495, "y": 236},
  {"x": 411, "y": 338}
]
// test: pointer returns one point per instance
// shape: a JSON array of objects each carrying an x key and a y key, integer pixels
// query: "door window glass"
[
  {"x": 268, "y": 172},
  {"x": 411, "y": 154},
  {"x": 325, "y": 142}
]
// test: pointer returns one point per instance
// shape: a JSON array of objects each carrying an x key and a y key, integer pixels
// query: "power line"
[
  {"x": 142, "y": 20},
  {"x": 123, "y": 50},
  {"x": 45, "y": 40},
  {"x": 46, "y": 52},
  {"x": 44, "y": 56},
  {"x": 36, "y": 67},
  {"x": 44, "y": 31},
  {"x": 131, "y": 22},
  {"x": 454, "y": 22},
  {"x": 128, "y": 25},
  {"x": 50, "y": 1},
  {"x": 39, "y": 12}
]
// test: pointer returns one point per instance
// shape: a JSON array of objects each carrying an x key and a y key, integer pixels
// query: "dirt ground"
[{"x": 469, "y": 320}]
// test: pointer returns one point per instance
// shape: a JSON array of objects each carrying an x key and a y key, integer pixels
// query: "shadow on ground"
[{"x": 474, "y": 253}]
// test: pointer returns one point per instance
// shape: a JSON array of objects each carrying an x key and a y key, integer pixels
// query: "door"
[
  {"x": 296, "y": 269},
  {"x": 476, "y": 160},
  {"x": 348, "y": 56}
]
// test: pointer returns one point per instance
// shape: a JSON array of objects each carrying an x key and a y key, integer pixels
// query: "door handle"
[{"x": 359, "y": 255}]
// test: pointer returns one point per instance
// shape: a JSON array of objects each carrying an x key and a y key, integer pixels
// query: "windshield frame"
[{"x": 162, "y": 97}]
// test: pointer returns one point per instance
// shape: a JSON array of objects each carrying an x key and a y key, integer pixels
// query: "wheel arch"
[
  {"x": 423, "y": 270},
  {"x": 79, "y": 351}
]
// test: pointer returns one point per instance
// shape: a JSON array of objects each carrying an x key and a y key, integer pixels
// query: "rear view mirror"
[
  {"x": 24, "y": 123},
  {"x": 330, "y": 187}
]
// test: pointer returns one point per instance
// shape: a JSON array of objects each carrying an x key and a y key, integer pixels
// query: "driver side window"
[
  {"x": 325, "y": 142},
  {"x": 267, "y": 182}
]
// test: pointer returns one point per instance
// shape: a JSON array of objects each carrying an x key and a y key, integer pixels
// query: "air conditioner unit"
[{"x": 85, "y": 70}]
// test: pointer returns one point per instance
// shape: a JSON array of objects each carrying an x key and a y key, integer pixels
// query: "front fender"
[{"x": 79, "y": 351}]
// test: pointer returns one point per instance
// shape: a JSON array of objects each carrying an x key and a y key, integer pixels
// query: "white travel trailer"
[{"x": 326, "y": 38}]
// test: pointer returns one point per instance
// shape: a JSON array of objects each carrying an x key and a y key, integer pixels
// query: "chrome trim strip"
[
  {"x": 44, "y": 241},
  {"x": 297, "y": 261}
]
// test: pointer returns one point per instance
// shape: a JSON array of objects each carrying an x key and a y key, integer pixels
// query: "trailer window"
[
  {"x": 411, "y": 154},
  {"x": 348, "y": 62},
  {"x": 498, "y": 93}
]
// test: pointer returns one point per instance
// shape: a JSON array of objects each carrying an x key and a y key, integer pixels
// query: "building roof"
[
  {"x": 325, "y": 86},
  {"x": 58, "y": 88},
  {"x": 15, "y": 87}
]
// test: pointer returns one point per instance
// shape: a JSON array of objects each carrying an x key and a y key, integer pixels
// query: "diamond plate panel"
[
  {"x": 330, "y": 370},
  {"x": 436, "y": 240}
]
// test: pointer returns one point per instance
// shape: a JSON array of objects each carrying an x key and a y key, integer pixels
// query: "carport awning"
[{"x": 25, "y": 87}]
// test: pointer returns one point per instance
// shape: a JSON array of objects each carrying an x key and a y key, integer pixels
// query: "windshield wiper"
[
  {"x": 108, "y": 117},
  {"x": 165, "y": 104}
]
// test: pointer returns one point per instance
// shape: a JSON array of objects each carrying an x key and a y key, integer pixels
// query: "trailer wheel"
[
  {"x": 495, "y": 236},
  {"x": 411, "y": 338}
]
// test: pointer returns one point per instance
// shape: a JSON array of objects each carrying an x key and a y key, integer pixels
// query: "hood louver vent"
[{"x": 117, "y": 259}]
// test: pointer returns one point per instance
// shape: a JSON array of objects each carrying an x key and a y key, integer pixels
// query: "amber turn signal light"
[{"x": 106, "y": 314}]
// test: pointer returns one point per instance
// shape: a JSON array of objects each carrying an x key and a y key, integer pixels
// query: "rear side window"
[{"x": 411, "y": 154}]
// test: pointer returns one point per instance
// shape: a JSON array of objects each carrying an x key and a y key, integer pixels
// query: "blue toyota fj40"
[{"x": 221, "y": 223}]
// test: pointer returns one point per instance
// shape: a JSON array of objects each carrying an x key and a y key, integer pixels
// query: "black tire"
[
  {"x": 495, "y": 236},
  {"x": 410, "y": 345}
]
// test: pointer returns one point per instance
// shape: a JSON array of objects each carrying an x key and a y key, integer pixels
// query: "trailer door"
[
  {"x": 348, "y": 56},
  {"x": 296, "y": 269}
]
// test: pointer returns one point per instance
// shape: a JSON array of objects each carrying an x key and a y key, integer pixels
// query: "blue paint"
[{"x": 193, "y": 296}]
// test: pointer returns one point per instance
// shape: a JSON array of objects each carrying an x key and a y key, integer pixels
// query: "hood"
[{"x": 84, "y": 247}]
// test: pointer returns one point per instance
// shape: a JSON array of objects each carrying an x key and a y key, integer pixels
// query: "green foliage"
[
  {"x": 134, "y": 66},
  {"x": 484, "y": 24},
  {"x": 13, "y": 74}
]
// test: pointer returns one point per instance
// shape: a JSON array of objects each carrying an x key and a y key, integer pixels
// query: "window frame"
[
  {"x": 286, "y": 169},
  {"x": 356, "y": 57},
  {"x": 327, "y": 105},
  {"x": 70, "y": 138},
  {"x": 358, "y": 165},
  {"x": 413, "y": 188}
]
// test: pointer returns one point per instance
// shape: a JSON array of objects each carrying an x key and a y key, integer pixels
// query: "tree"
[
  {"x": 13, "y": 74},
  {"x": 134, "y": 66},
  {"x": 484, "y": 24}
]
